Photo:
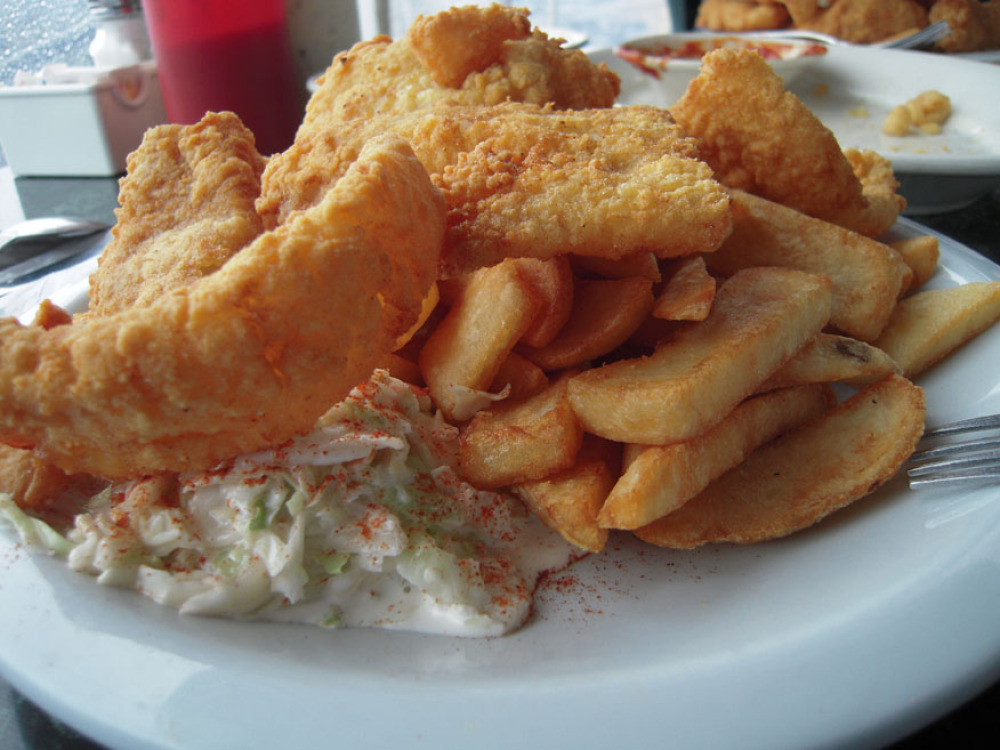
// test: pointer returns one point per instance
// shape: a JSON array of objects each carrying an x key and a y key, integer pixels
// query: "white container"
[{"x": 84, "y": 128}]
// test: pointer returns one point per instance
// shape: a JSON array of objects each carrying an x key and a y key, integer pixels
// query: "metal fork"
[
  {"x": 923, "y": 38},
  {"x": 969, "y": 461}
]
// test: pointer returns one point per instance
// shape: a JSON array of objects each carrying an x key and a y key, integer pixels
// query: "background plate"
[{"x": 855, "y": 632}]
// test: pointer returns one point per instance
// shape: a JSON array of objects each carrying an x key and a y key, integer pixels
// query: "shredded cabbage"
[{"x": 362, "y": 522}]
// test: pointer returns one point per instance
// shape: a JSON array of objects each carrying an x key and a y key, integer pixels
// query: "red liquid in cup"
[{"x": 215, "y": 55}]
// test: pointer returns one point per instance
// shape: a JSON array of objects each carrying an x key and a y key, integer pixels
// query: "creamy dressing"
[{"x": 362, "y": 523}]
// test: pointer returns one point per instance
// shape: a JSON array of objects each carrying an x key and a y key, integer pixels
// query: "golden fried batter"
[
  {"x": 243, "y": 358},
  {"x": 464, "y": 56},
  {"x": 526, "y": 181},
  {"x": 974, "y": 25},
  {"x": 764, "y": 140},
  {"x": 741, "y": 15},
  {"x": 187, "y": 205}
]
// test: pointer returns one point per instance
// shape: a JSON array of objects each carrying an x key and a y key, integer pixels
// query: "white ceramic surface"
[
  {"x": 672, "y": 74},
  {"x": 852, "y": 633},
  {"x": 852, "y": 89}
]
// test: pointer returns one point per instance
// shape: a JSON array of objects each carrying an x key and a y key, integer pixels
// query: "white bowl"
[{"x": 675, "y": 59}]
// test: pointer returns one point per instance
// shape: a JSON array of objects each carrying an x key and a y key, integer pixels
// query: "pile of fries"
[{"x": 732, "y": 396}]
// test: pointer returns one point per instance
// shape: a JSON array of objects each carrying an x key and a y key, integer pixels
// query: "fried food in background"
[
  {"x": 244, "y": 358},
  {"x": 760, "y": 138},
  {"x": 974, "y": 25},
  {"x": 527, "y": 181},
  {"x": 465, "y": 56},
  {"x": 858, "y": 21},
  {"x": 186, "y": 207},
  {"x": 741, "y": 15}
]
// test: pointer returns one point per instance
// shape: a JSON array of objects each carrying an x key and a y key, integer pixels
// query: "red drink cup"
[{"x": 216, "y": 55}]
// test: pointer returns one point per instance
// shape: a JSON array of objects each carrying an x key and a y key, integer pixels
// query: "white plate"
[
  {"x": 852, "y": 633},
  {"x": 938, "y": 173}
]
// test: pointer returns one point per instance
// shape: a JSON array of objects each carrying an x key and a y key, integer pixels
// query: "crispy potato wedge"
[
  {"x": 801, "y": 477},
  {"x": 469, "y": 345},
  {"x": 927, "y": 326},
  {"x": 868, "y": 276},
  {"x": 605, "y": 313},
  {"x": 520, "y": 441},
  {"x": 522, "y": 377},
  {"x": 688, "y": 291},
  {"x": 921, "y": 254},
  {"x": 568, "y": 502},
  {"x": 761, "y": 317},
  {"x": 830, "y": 358},
  {"x": 643, "y": 265},
  {"x": 659, "y": 479},
  {"x": 552, "y": 279}
]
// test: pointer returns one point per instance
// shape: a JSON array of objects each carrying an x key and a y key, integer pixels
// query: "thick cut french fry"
[
  {"x": 761, "y": 317},
  {"x": 921, "y": 254},
  {"x": 797, "y": 480},
  {"x": 468, "y": 347},
  {"x": 927, "y": 326},
  {"x": 660, "y": 478},
  {"x": 688, "y": 291},
  {"x": 605, "y": 313},
  {"x": 568, "y": 502},
  {"x": 868, "y": 276},
  {"x": 520, "y": 441},
  {"x": 552, "y": 279},
  {"x": 830, "y": 358}
]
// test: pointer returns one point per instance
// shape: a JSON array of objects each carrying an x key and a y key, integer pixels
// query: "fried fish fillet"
[
  {"x": 527, "y": 181},
  {"x": 187, "y": 205},
  {"x": 463, "y": 56},
  {"x": 245, "y": 357},
  {"x": 760, "y": 138}
]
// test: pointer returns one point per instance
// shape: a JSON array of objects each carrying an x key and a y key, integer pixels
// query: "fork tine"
[
  {"x": 951, "y": 465},
  {"x": 967, "y": 448},
  {"x": 989, "y": 475},
  {"x": 964, "y": 461},
  {"x": 966, "y": 425}
]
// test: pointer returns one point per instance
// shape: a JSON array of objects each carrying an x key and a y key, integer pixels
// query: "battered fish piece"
[
  {"x": 243, "y": 358},
  {"x": 741, "y": 15},
  {"x": 858, "y": 21},
  {"x": 527, "y": 181},
  {"x": 186, "y": 207},
  {"x": 464, "y": 56},
  {"x": 764, "y": 140}
]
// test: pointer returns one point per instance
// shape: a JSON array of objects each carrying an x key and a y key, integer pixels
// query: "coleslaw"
[{"x": 364, "y": 522}]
